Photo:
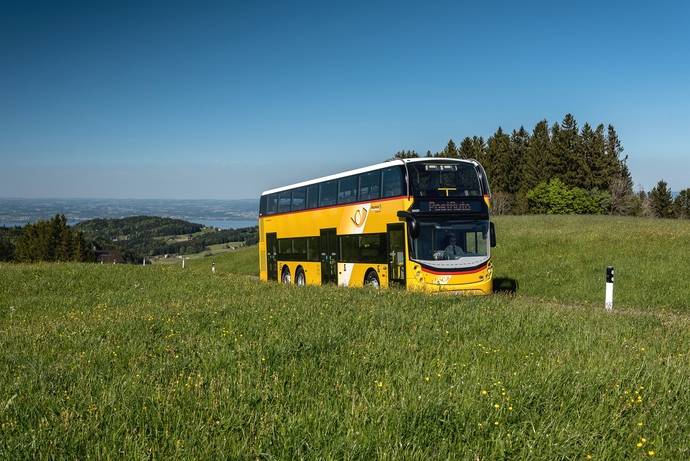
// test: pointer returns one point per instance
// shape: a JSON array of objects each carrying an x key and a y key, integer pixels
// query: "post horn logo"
[{"x": 360, "y": 217}]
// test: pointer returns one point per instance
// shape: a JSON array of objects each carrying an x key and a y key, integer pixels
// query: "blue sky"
[{"x": 223, "y": 100}]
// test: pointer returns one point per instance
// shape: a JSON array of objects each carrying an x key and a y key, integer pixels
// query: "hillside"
[
  {"x": 139, "y": 237},
  {"x": 136, "y": 226},
  {"x": 563, "y": 258},
  {"x": 106, "y": 361}
]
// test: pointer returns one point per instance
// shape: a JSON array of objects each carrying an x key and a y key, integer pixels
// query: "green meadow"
[{"x": 103, "y": 361}]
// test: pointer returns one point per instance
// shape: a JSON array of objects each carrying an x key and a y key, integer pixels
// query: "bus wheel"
[
  {"x": 300, "y": 279},
  {"x": 372, "y": 279},
  {"x": 285, "y": 276}
]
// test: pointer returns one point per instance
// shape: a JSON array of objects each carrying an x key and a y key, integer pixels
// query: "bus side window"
[
  {"x": 328, "y": 192},
  {"x": 262, "y": 205},
  {"x": 300, "y": 248},
  {"x": 299, "y": 198},
  {"x": 392, "y": 182},
  {"x": 370, "y": 185},
  {"x": 272, "y": 204},
  {"x": 347, "y": 189},
  {"x": 284, "y": 200},
  {"x": 313, "y": 249},
  {"x": 313, "y": 196}
]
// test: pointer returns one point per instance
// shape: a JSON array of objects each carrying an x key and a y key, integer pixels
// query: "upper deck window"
[
  {"x": 284, "y": 201},
  {"x": 328, "y": 193},
  {"x": 393, "y": 182},
  {"x": 347, "y": 189},
  {"x": 272, "y": 204},
  {"x": 313, "y": 196},
  {"x": 299, "y": 198},
  {"x": 438, "y": 179},
  {"x": 370, "y": 185}
]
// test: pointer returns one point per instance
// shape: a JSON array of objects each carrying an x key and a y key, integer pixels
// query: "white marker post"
[
  {"x": 609, "y": 289},
  {"x": 143, "y": 262},
  {"x": 182, "y": 262}
]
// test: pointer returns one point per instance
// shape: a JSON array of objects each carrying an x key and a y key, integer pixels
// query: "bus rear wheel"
[
  {"x": 285, "y": 276},
  {"x": 372, "y": 280},
  {"x": 300, "y": 278}
]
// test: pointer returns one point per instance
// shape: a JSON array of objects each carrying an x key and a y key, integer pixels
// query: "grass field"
[
  {"x": 213, "y": 250},
  {"x": 153, "y": 362}
]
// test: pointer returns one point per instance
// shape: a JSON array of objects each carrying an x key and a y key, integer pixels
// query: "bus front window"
[{"x": 449, "y": 240}]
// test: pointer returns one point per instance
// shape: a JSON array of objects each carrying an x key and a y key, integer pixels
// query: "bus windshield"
[
  {"x": 448, "y": 240},
  {"x": 439, "y": 179}
]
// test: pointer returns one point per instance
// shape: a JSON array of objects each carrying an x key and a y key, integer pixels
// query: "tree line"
[
  {"x": 51, "y": 240},
  {"x": 562, "y": 169},
  {"x": 133, "y": 239}
]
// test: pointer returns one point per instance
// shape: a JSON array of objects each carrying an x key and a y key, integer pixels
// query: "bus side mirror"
[
  {"x": 411, "y": 221},
  {"x": 492, "y": 234}
]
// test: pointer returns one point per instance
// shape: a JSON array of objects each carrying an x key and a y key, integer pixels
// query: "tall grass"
[
  {"x": 563, "y": 258},
  {"x": 157, "y": 362}
]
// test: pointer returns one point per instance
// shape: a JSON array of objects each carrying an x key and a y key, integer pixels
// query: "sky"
[{"x": 224, "y": 100}]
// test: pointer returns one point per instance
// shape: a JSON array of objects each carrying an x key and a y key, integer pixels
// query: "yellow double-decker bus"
[{"x": 422, "y": 224}]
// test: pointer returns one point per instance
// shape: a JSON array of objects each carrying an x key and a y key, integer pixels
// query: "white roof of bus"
[{"x": 378, "y": 166}]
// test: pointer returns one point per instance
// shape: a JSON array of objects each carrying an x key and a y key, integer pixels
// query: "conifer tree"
[
  {"x": 535, "y": 168},
  {"x": 450, "y": 151},
  {"x": 519, "y": 143},
  {"x": 598, "y": 161},
  {"x": 681, "y": 204},
  {"x": 498, "y": 162},
  {"x": 586, "y": 175},
  {"x": 401, "y": 154},
  {"x": 614, "y": 150},
  {"x": 569, "y": 164},
  {"x": 661, "y": 200},
  {"x": 6, "y": 249},
  {"x": 472, "y": 148}
]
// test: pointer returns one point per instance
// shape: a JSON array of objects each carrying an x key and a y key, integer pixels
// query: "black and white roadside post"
[{"x": 609, "y": 289}]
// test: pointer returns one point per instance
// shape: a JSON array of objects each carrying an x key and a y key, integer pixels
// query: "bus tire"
[
  {"x": 300, "y": 278},
  {"x": 285, "y": 275},
  {"x": 371, "y": 279}
]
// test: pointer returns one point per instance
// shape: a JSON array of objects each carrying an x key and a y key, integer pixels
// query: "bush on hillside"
[{"x": 555, "y": 197}]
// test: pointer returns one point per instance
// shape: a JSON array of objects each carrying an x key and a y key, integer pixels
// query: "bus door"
[
  {"x": 329, "y": 256},
  {"x": 272, "y": 256},
  {"x": 396, "y": 254}
]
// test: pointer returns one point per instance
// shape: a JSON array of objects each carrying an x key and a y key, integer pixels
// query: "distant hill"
[
  {"x": 138, "y": 237},
  {"x": 136, "y": 226}
]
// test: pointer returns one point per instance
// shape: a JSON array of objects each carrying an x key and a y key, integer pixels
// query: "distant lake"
[
  {"x": 217, "y": 223},
  {"x": 224, "y": 214}
]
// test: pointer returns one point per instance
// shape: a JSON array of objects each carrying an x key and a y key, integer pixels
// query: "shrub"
[{"x": 555, "y": 197}]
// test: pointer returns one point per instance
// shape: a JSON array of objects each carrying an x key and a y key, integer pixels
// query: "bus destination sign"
[{"x": 448, "y": 206}]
